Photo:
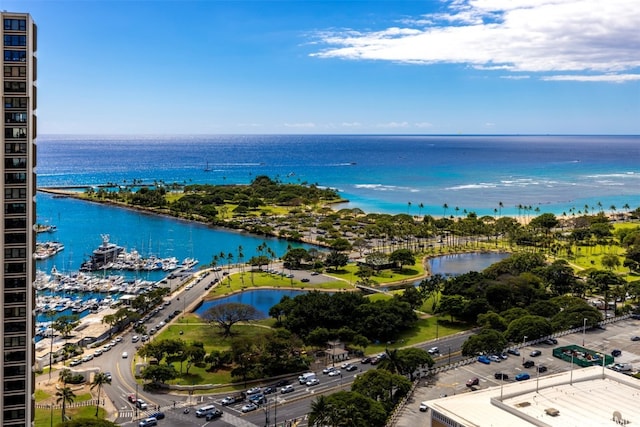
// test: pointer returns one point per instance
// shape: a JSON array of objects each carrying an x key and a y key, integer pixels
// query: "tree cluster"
[{"x": 379, "y": 320}]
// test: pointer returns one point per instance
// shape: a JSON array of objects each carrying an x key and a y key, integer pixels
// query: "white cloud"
[
  {"x": 351, "y": 124},
  {"x": 614, "y": 78},
  {"x": 423, "y": 125},
  {"x": 535, "y": 36},
  {"x": 394, "y": 125},
  {"x": 515, "y": 77},
  {"x": 300, "y": 125}
]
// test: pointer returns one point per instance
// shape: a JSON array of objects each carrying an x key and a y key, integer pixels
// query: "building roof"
[{"x": 581, "y": 397}]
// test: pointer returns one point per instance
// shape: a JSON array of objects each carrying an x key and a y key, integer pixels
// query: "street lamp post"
[
  {"x": 136, "y": 405},
  {"x": 584, "y": 328},
  {"x": 524, "y": 339}
]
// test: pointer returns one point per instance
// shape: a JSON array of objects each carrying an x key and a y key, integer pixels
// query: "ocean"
[{"x": 437, "y": 175}]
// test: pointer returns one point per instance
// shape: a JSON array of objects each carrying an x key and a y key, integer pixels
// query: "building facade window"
[
  {"x": 15, "y": 24},
  {"x": 11, "y": 55},
  {"x": 15, "y": 71},
  {"x": 13, "y": 102}
]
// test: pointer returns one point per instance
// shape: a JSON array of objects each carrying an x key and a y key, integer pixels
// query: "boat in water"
[
  {"x": 103, "y": 256},
  {"x": 46, "y": 250}
]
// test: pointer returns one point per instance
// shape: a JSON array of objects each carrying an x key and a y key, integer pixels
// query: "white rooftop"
[{"x": 582, "y": 397}]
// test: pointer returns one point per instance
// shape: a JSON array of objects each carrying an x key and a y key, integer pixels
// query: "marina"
[{"x": 46, "y": 250}]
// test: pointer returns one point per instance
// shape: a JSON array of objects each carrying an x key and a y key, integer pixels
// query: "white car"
[
  {"x": 328, "y": 370},
  {"x": 335, "y": 373},
  {"x": 249, "y": 407},
  {"x": 312, "y": 382},
  {"x": 433, "y": 350},
  {"x": 125, "y": 354}
]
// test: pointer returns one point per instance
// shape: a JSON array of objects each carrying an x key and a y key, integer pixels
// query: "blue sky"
[{"x": 397, "y": 67}]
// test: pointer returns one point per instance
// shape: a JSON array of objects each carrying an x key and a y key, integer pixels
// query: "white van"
[
  {"x": 205, "y": 410},
  {"x": 135, "y": 338},
  {"x": 622, "y": 367},
  {"x": 302, "y": 379}
]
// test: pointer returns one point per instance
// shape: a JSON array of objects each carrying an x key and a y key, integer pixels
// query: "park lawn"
[
  {"x": 240, "y": 281},
  {"x": 425, "y": 330},
  {"x": 348, "y": 273},
  {"x": 43, "y": 416},
  {"x": 41, "y": 395},
  {"x": 209, "y": 335}
]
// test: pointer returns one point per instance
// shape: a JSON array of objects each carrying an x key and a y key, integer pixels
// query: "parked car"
[
  {"x": 514, "y": 351},
  {"x": 304, "y": 280},
  {"x": 551, "y": 341},
  {"x": 616, "y": 353},
  {"x": 522, "y": 376},
  {"x": 484, "y": 359},
  {"x": 542, "y": 368},
  {"x": 495, "y": 358},
  {"x": 473, "y": 381},
  {"x": 423, "y": 406},
  {"x": 528, "y": 364},
  {"x": 500, "y": 376},
  {"x": 635, "y": 338},
  {"x": 75, "y": 362},
  {"x": 535, "y": 353}
]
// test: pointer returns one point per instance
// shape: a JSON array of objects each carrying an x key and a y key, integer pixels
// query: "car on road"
[
  {"x": 157, "y": 415},
  {"x": 148, "y": 422},
  {"x": 283, "y": 383},
  {"x": 500, "y": 376},
  {"x": 269, "y": 389},
  {"x": 216, "y": 413},
  {"x": 350, "y": 368},
  {"x": 141, "y": 404},
  {"x": 433, "y": 350},
  {"x": 254, "y": 390},
  {"x": 258, "y": 399},
  {"x": 368, "y": 359},
  {"x": 423, "y": 406},
  {"x": 312, "y": 382},
  {"x": 335, "y": 373},
  {"x": 535, "y": 353},
  {"x": 484, "y": 359},
  {"x": 108, "y": 375},
  {"x": 144, "y": 338},
  {"x": 528, "y": 364},
  {"x": 514, "y": 351},
  {"x": 287, "y": 389},
  {"x": 542, "y": 368},
  {"x": 473, "y": 381},
  {"x": 328, "y": 370},
  {"x": 249, "y": 407},
  {"x": 635, "y": 338},
  {"x": 616, "y": 352},
  {"x": 125, "y": 354},
  {"x": 522, "y": 376},
  {"x": 132, "y": 398}
]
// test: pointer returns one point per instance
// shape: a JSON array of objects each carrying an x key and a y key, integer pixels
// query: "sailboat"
[{"x": 207, "y": 168}]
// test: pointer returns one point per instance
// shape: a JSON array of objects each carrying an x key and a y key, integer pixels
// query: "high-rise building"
[{"x": 19, "y": 35}]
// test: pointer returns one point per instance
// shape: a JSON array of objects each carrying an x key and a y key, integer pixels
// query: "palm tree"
[
  {"x": 445, "y": 207},
  {"x": 99, "y": 380},
  {"x": 420, "y": 207},
  {"x": 51, "y": 315},
  {"x": 65, "y": 395},
  {"x": 320, "y": 411}
]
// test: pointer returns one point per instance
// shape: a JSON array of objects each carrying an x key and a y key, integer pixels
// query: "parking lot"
[{"x": 454, "y": 381}]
